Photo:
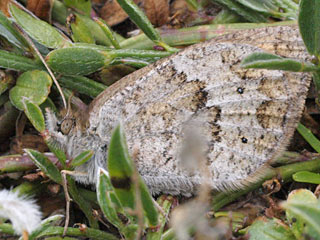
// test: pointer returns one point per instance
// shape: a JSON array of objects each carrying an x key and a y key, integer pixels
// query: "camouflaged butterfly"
[{"x": 198, "y": 103}]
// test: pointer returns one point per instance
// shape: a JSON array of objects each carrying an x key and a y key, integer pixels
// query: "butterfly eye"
[{"x": 67, "y": 125}]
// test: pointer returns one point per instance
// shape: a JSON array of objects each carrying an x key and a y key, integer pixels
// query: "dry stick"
[
  {"x": 25, "y": 235},
  {"x": 43, "y": 61},
  {"x": 68, "y": 200}
]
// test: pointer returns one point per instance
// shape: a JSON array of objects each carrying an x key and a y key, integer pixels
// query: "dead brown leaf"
[
  {"x": 41, "y": 8},
  {"x": 28, "y": 141},
  {"x": 157, "y": 11},
  {"x": 180, "y": 13},
  {"x": 271, "y": 186},
  {"x": 33, "y": 176},
  {"x": 54, "y": 188},
  {"x": 113, "y": 14},
  {"x": 4, "y": 7}
]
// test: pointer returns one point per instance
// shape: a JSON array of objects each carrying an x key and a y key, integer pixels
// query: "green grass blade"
[
  {"x": 273, "y": 62},
  {"x": 139, "y": 18},
  {"x": 108, "y": 32},
  {"x": 309, "y": 137}
]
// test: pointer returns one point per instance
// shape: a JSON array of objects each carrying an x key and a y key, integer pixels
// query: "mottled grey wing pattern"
[{"x": 200, "y": 98}]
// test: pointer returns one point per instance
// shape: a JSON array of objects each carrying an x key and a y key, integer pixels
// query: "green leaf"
[
  {"x": 6, "y": 82},
  {"x": 108, "y": 201},
  {"x": 274, "y": 62},
  {"x": 35, "y": 115},
  {"x": 45, "y": 165},
  {"x": 82, "y": 158},
  {"x": 79, "y": 30},
  {"x": 309, "y": 25},
  {"x": 54, "y": 148},
  {"x": 45, "y": 224},
  {"x": 48, "y": 103},
  {"x": 10, "y": 33},
  {"x": 269, "y": 230},
  {"x": 165, "y": 202},
  {"x": 112, "y": 208},
  {"x": 307, "y": 177},
  {"x": 33, "y": 85},
  {"x": 120, "y": 167},
  {"x": 82, "y": 85},
  {"x": 96, "y": 31},
  {"x": 245, "y": 12},
  {"x": 108, "y": 32},
  {"x": 299, "y": 196},
  {"x": 309, "y": 137},
  {"x": 39, "y": 30},
  {"x": 139, "y": 18},
  {"x": 149, "y": 208},
  {"x": 18, "y": 63},
  {"x": 264, "y": 6},
  {"x": 77, "y": 60},
  {"x": 83, "y": 6},
  {"x": 309, "y": 213},
  {"x": 83, "y": 59}
]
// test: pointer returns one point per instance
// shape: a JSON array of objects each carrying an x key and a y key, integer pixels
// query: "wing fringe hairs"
[{"x": 23, "y": 212}]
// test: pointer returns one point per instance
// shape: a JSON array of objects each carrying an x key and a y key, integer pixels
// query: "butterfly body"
[{"x": 200, "y": 107}]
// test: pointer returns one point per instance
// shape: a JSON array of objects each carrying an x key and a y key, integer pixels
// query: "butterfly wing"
[{"x": 200, "y": 106}]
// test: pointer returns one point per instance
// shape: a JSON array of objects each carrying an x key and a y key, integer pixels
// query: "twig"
[{"x": 68, "y": 200}]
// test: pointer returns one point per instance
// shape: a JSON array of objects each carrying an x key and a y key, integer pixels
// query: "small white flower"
[{"x": 23, "y": 213}]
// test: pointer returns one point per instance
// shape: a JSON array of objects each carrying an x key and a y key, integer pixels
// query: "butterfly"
[{"x": 197, "y": 104}]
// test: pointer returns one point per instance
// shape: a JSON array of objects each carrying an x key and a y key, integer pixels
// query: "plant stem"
[
  {"x": 88, "y": 232},
  {"x": 191, "y": 35},
  {"x": 84, "y": 205}
]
